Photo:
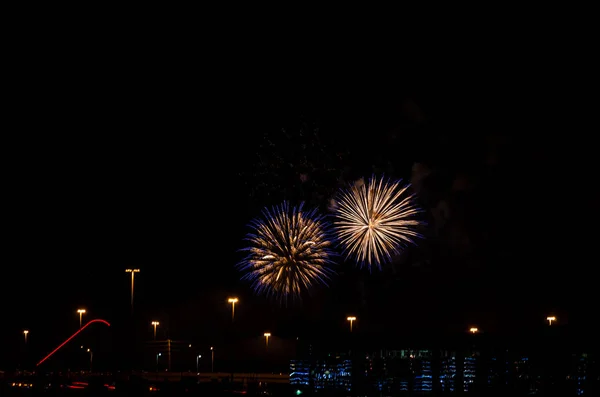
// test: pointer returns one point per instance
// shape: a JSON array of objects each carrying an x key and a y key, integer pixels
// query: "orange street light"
[
  {"x": 81, "y": 313},
  {"x": 25, "y": 333},
  {"x": 473, "y": 330},
  {"x": 155, "y": 324},
  {"x": 352, "y": 319},
  {"x": 550, "y": 319},
  {"x": 267, "y": 335},
  {"x": 233, "y": 301},
  {"x": 133, "y": 272}
]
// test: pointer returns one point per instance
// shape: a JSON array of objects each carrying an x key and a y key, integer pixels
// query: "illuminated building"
[
  {"x": 300, "y": 373},
  {"x": 332, "y": 374},
  {"x": 469, "y": 372},
  {"x": 388, "y": 371},
  {"x": 421, "y": 368},
  {"x": 447, "y": 376},
  {"x": 523, "y": 376},
  {"x": 581, "y": 376}
]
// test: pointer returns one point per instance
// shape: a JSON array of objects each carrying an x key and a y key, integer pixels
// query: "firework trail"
[
  {"x": 375, "y": 221},
  {"x": 289, "y": 252}
]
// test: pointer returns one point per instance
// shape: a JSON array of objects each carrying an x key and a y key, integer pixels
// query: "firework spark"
[
  {"x": 375, "y": 221},
  {"x": 289, "y": 252}
]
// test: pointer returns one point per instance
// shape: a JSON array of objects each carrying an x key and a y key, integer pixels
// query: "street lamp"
[
  {"x": 91, "y": 358},
  {"x": 133, "y": 272},
  {"x": 155, "y": 324},
  {"x": 352, "y": 319},
  {"x": 81, "y": 313},
  {"x": 197, "y": 358},
  {"x": 473, "y": 330},
  {"x": 550, "y": 319},
  {"x": 25, "y": 333},
  {"x": 212, "y": 359},
  {"x": 157, "y": 356},
  {"x": 233, "y": 301},
  {"x": 267, "y": 334}
]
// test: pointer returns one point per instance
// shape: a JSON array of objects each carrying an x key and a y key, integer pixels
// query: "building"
[
  {"x": 300, "y": 373},
  {"x": 447, "y": 371},
  {"x": 331, "y": 373}
]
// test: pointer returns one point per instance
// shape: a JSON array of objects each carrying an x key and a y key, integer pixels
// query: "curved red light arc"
[{"x": 71, "y": 337}]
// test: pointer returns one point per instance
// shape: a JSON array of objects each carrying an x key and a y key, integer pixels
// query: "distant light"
[
  {"x": 351, "y": 319},
  {"x": 473, "y": 330},
  {"x": 298, "y": 392},
  {"x": 550, "y": 319},
  {"x": 232, "y": 300},
  {"x": 267, "y": 334}
]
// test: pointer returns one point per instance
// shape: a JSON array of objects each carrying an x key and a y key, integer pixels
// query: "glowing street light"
[
  {"x": 155, "y": 324},
  {"x": 233, "y": 301},
  {"x": 91, "y": 358},
  {"x": 133, "y": 272},
  {"x": 212, "y": 359},
  {"x": 81, "y": 313},
  {"x": 197, "y": 358},
  {"x": 550, "y": 319},
  {"x": 157, "y": 356},
  {"x": 473, "y": 330},
  {"x": 25, "y": 333},
  {"x": 352, "y": 319},
  {"x": 267, "y": 335}
]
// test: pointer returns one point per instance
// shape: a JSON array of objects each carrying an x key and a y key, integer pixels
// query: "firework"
[
  {"x": 296, "y": 163},
  {"x": 289, "y": 252},
  {"x": 375, "y": 221}
]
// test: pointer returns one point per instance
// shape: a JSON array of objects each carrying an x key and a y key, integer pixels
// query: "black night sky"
[{"x": 108, "y": 167}]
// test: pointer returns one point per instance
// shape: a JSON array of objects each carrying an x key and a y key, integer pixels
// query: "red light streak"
[{"x": 71, "y": 337}]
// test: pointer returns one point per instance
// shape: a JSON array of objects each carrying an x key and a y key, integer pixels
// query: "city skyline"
[{"x": 166, "y": 205}]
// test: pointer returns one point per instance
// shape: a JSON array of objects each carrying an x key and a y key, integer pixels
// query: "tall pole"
[
  {"x": 212, "y": 359},
  {"x": 197, "y": 358},
  {"x": 154, "y": 324},
  {"x": 133, "y": 272},
  {"x": 169, "y": 354},
  {"x": 267, "y": 334},
  {"x": 233, "y": 301},
  {"x": 91, "y": 358},
  {"x": 351, "y": 319},
  {"x": 25, "y": 333},
  {"x": 81, "y": 313}
]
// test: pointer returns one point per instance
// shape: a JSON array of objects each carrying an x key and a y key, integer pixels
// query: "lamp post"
[
  {"x": 81, "y": 313},
  {"x": 550, "y": 319},
  {"x": 198, "y": 358},
  {"x": 91, "y": 358},
  {"x": 351, "y": 319},
  {"x": 233, "y": 301},
  {"x": 133, "y": 272},
  {"x": 473, "y": 330},
  {"x": 155, "y": 324},
  {"x": 157, "y": 356},
  {"x": 25, "y": 333},
  {"x": 267, "y": 335},
  {"x": 212, "y": 359}
]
